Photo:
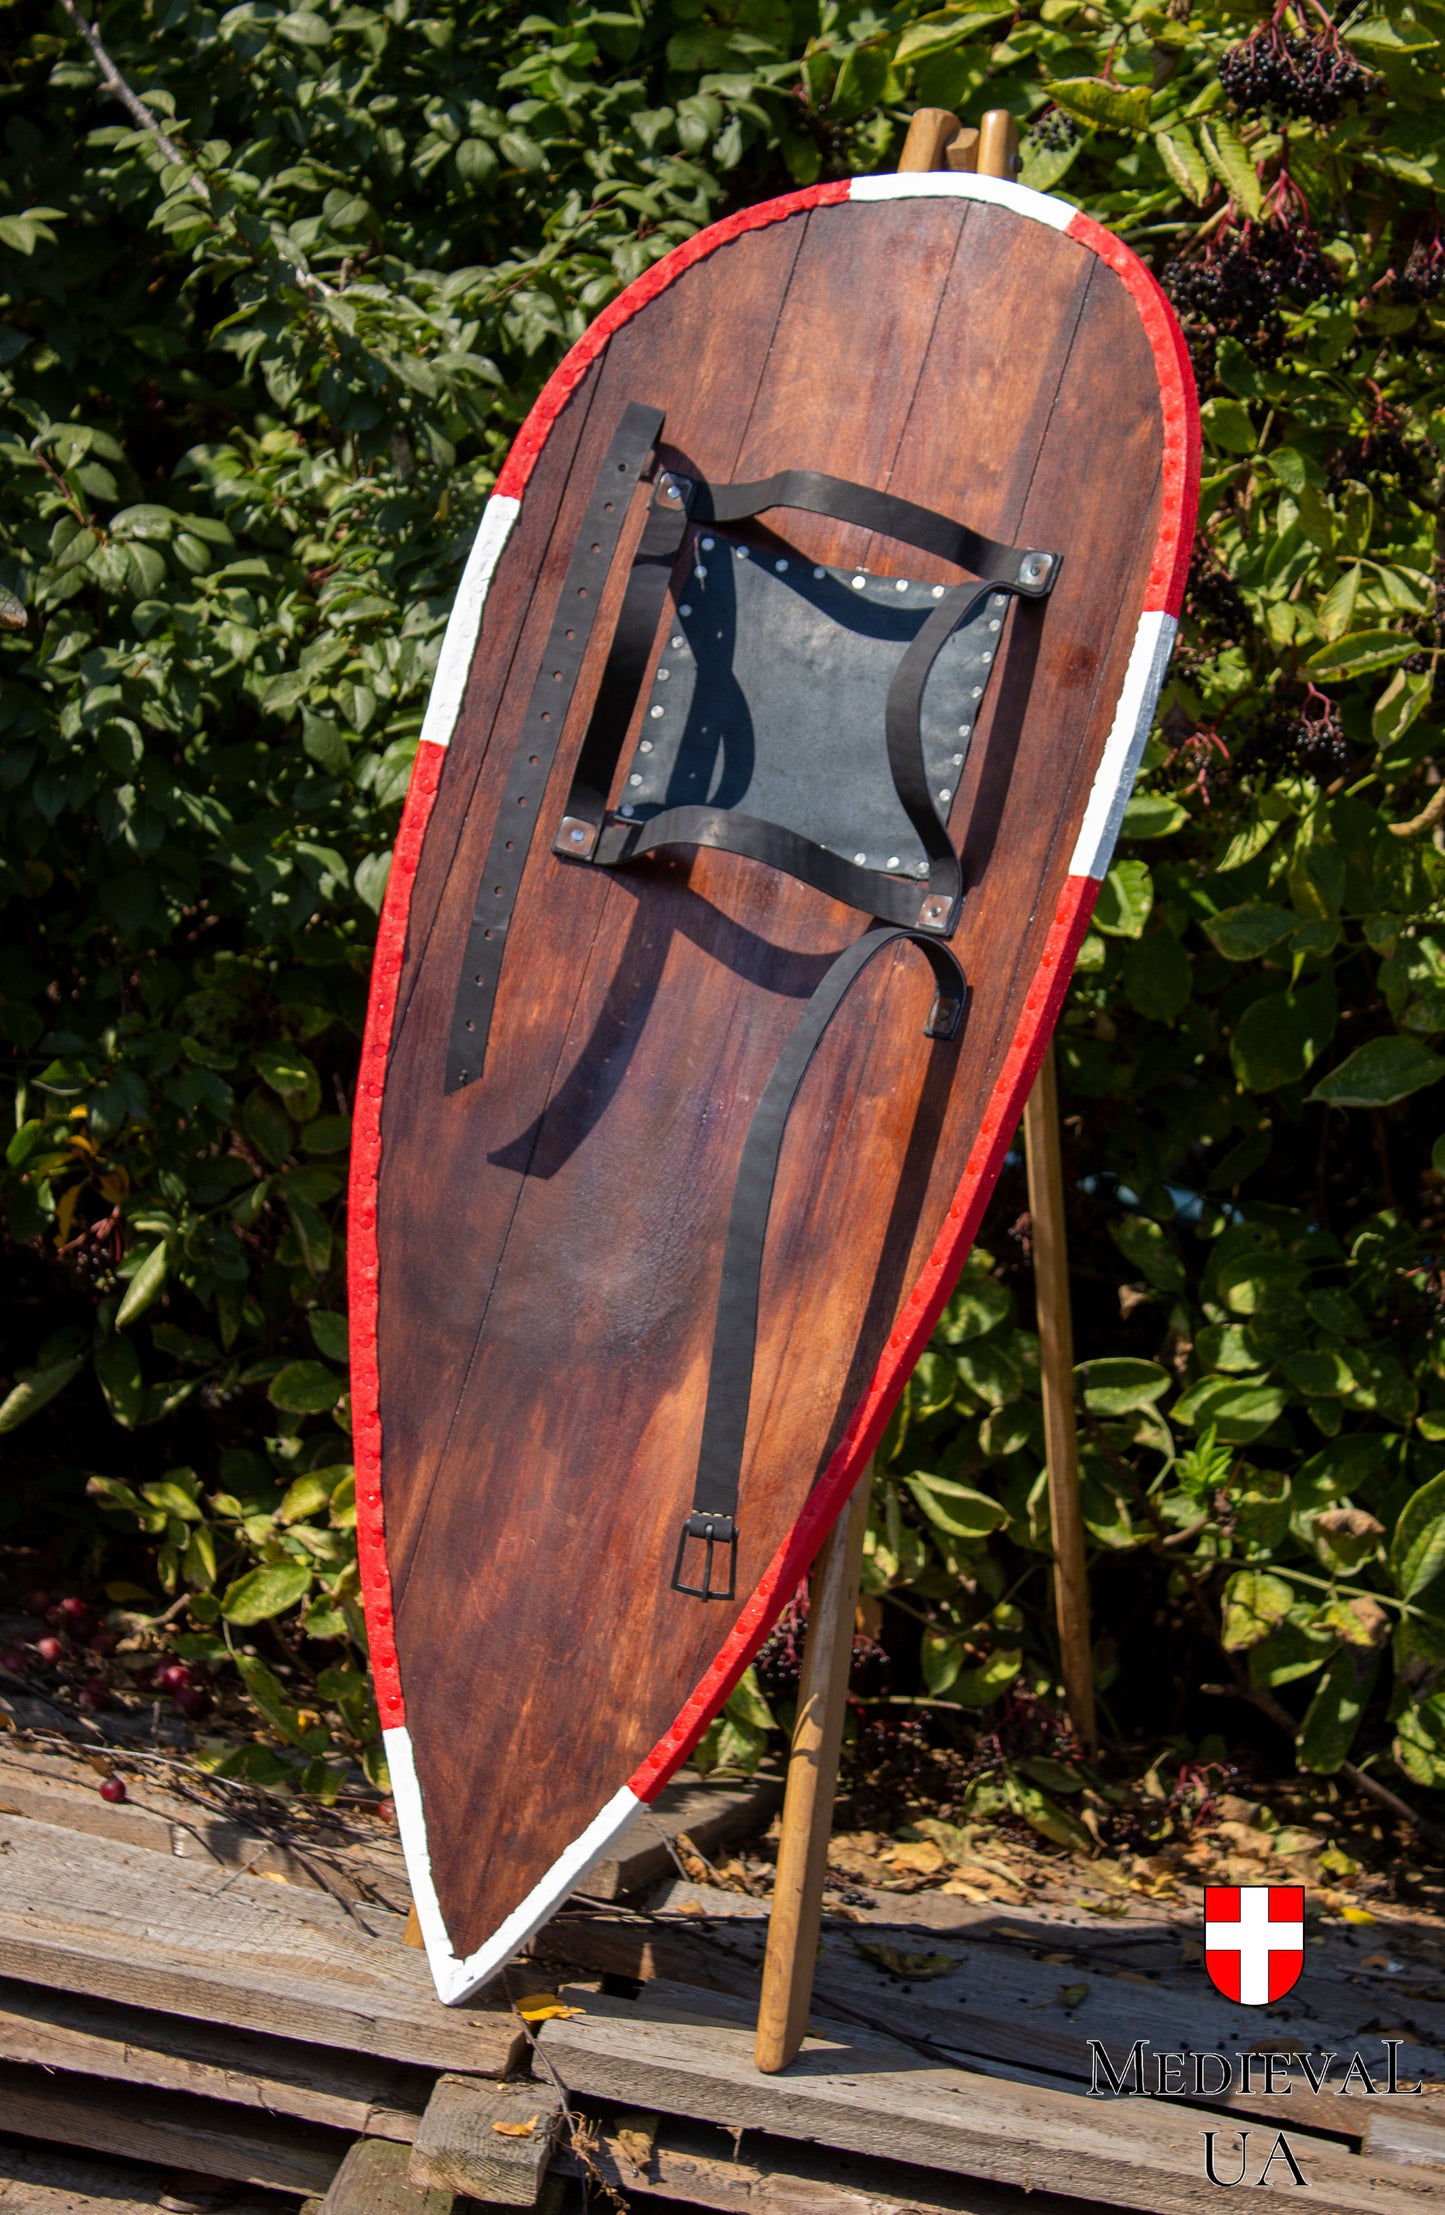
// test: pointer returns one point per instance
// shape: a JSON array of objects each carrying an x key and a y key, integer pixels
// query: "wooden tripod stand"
[{"x": 936, "y": 140}]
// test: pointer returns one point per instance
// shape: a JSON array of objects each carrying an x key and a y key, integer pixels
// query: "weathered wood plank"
[
  {"x": 38, "y": 2180},
  {"x": 691, "y": 2055},
  {"x": 711, "y": 1815},
  {"x": 493, "y": 2141},
  {"x": 48, "y": 1788},
  {"x": 91, "y": 1915},
  {"x": 697, "y": 2165},
  {"x": 171, "y": 2129},
  {"x": 372, "y": 2180},
  {"x": 97, "y": 2038},
  {"x": 1403, "y": 2136}
]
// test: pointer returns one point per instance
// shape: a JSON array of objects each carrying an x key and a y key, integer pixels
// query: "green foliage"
[{"x": 258, "y": 368}]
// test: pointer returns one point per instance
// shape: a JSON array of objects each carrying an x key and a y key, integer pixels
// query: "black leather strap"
[
  {"x": 712, "y": 1524},
  {"x": 625, "y": 462},
  {"x": 1024, "y": 569}
]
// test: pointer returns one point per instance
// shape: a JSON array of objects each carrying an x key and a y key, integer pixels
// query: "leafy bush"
[{"x": 265, "y": 340}]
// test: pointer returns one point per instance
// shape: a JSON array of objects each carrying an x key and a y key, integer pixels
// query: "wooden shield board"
[{"x": 536, "y": 1257}]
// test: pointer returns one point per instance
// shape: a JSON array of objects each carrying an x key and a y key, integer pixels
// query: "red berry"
[
  {"x": 191, "y": 1701},
  {"x": 38, "y": 1602},
  {"x": 95, "y": 1693},
  {"x": 174, "y": 1677},
  {"x": 112, "y": 1789},
  {"x": 50, "y": 1650},
  {"x": 74, "y": 1617},
  {"x": 386, "y": 1811},
  {"x": 15, "y": 1659},
  {"x": 104, "y": 1640}
]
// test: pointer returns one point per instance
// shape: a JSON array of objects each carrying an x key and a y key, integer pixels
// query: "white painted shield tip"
[
  {"x": 1153, "y": 644},
  {"x": 464, "y": 627},
  {"x": 950, "y": 184},
  {"x": 457, "y": 1980}
]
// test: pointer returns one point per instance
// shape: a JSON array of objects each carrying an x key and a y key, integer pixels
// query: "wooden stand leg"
[
  {"x": 1056, "y": 1366},
  {"x": 797, "y": 1910}
]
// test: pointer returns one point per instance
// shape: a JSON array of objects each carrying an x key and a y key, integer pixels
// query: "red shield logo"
[{"x": 1254, "y": 1940}]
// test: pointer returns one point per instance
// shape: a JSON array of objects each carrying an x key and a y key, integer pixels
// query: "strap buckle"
[{"x": 711, "y": 1532}]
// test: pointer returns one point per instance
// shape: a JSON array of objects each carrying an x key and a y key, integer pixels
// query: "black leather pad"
[{"x": 769, "y": 697}]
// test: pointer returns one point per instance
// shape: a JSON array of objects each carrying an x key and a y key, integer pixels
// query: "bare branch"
[
  {"x": 130, "y": 100},
  {"x": 1428, "y": 817}
]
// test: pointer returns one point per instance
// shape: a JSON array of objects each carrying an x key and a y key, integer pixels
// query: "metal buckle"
[{"x": 711, "y": 1531}]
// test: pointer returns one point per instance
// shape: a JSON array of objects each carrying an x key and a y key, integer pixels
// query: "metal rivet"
[
  {"x": 1000, "y": 600},
  {"x": 741, "y": 552},
  {"x": 820, "y": 572},
  {"x": 700, "y": 572},
  {"x": 938, "y": 592},
  {"x": 645, "y": 747},
  {"x": 678, "y": 641},
  {"x": 901, "y": 585},
  {"x": 946, "y": 794},
  {"x": 780, "y": 566},
  {"x": 923, "y": 869},
  {"x": 964, "y": 729},
  {"x": 858, "y": 583},
  {"x": 893, "y": 861},
  {"x": 634, "y": 780},
  {"x": 683, "y": 610},
  {"x": 1034, "y": 568},
  {"x": 655, "y": 713},
  {"x": 860, "y": 859},
  {"x": 578, "y": 838},
  {"x": 958, "y": 761},
  {"x": 626, "y": 811},
  {"x": 708, "y": 545},
  {"x": 977, "y": 694},
  {"x": 986, "y": 657},
  {"x": 661, "y": 677},
  {"x": 993, "y": 626}
]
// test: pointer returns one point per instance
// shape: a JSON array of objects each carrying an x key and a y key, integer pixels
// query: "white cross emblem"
[{"x": 1254, "y": 1940}]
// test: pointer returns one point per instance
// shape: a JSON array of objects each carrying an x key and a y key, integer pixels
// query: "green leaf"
[
  {"x": 1232, "y": 164},
  {"x": 1125, "y": 899},
  {"x": 959, "y": 1509},
  {"x": 313, "y": 1233},
  {"x": 1380, "y": 1072},
  {"x": 1118, "y": 1385},
  {"x": 1143, "y": 1242},
  {"x": 979, "y": 1304},
  {"x": 1237, "y": 1409},
  {"x": 144, "y": 1287},
  {"x": 330, "y": 1333},
  {"x": 305, "y": 1388},
  {"x": 1417, "y": 1549},
  {"x": 1153, "y": 815},
  {"x": 1363, "y": 651},
  {"x": 35, "y": 1389},
  {"x": 1157, "y": 976},
  {"x": 1333, "y": 1716},
  {"x": 293, "y": 1076},
  {"x": 1278, "y": 1037},
  {"x": 1184, "y": 162},
  {"x": 978, "y": 1687},
  {"x": 1244, "y": 933},
  {"x": 273, "y": 1589},
  {"x": 1255, "y": 1602},
  {"x": 1096, "y": 100},
  {"x": 118, "y": 1370},
  {"x": 306, "y": 1496}
]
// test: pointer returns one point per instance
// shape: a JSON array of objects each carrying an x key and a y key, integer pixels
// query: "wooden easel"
[{"x": 936, "y": 140}]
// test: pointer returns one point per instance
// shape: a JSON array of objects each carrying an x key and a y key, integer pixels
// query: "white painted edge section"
[
  {"x": 1000, "y": 192},
  {"x": 1124, "y": 747},
  {"x": 457, "y": 1980},
  {"x": 454, "y": 663}
]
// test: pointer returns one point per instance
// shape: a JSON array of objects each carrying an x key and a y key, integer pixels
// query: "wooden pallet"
[{"x": 166, "y": 2008}]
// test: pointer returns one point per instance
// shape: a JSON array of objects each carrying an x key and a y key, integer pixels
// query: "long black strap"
[{"x": 712, "y": 1524}]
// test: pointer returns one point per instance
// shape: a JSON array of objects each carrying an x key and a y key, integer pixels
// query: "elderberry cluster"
[
  {"x": 1054, "y": 130},
  {"x": 1314, "y": 78},
  {"x": 1214, "y": 601},
  {"x": 1423, "y": 274},
  {"x": 1304, "y": 734},
  {"x": 1237, "y": 288}
]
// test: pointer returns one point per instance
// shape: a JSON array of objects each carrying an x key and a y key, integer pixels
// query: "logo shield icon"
[{"x": 1254, "y": 1940}]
